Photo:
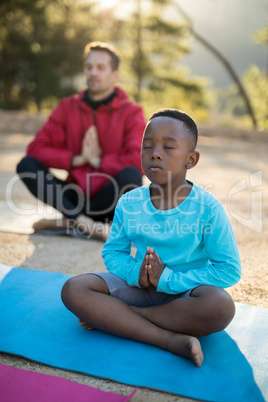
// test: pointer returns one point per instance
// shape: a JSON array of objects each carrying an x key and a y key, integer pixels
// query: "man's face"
[
  {"x": 101, "y": 79},
  {"x": 166, "y": 151}
]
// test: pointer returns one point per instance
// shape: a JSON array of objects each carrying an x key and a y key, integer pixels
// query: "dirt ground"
[{"x": 232, "y": 166}]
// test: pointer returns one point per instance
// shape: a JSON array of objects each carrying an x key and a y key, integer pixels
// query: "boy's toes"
[
  {"x": 196, "y": 351},
  {"x": 85, "y": 325}
]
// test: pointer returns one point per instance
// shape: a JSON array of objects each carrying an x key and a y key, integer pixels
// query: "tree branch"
[{"x": 225, "y": 63}]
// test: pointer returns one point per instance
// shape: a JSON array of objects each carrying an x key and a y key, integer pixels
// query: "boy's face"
[{"x": 167, "y": 151}]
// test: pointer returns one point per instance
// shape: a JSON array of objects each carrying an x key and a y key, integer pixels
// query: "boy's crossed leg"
[
  {"x": 173, "y": 326},
  {"x": 209, "y": 309}
]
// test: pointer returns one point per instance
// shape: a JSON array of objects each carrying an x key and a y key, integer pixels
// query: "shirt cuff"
[
  {"x": 133, "y": 280},
  {"x": 163, "y": 281}
]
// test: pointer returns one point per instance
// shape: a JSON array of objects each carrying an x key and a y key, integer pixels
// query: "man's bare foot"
[
  {"x": 85, "y": 325},
  {"x": 47, "y": 224},
  {"x": 101, "y": 230},
  {"x": 98, "y": 229},
  {"x": 186, "y": 346}
]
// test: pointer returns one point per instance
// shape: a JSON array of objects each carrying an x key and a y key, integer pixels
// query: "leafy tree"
[
  {"x": 256, "y": 86},
  {"x": 153, "y": 44},
  {"x": 41, "y": 43},
  {"x": 225, "y": 63},
  {"x": 261, "y": 38},
  {"x": 256, "y": 83}
]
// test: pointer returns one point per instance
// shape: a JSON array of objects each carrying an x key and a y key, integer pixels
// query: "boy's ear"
[{"x": 192, "y": 159}]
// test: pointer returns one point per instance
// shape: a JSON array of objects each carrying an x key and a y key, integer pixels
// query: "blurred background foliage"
[{"x": 41, "y": 58}]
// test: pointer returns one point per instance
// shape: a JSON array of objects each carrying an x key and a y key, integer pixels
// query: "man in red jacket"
[{"x": 96, "y": 137}]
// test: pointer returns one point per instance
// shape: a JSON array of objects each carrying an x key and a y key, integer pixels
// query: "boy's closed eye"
[
  {"x": 168, "y": 147},
  {"x": 165, "y": 146}
]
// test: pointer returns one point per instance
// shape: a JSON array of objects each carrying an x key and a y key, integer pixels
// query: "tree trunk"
[
  {"x": 138, "y": 53},
  {"x": 7, "y": 87},
  {"x": 226, "y": 65}
]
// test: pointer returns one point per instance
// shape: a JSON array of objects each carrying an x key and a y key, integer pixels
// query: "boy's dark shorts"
[{"x": 134, "y": 296}]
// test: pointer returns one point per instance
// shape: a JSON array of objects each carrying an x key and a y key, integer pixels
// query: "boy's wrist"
[{"x": 161, "y": 286}]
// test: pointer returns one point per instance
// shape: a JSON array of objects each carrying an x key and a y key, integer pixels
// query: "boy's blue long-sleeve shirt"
[{"x": 195, "y": 241}]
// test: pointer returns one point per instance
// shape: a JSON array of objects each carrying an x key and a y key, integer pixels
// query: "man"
[{"x": 95, "y": 136}]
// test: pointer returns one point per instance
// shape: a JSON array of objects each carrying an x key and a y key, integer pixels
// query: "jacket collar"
[{"x": 118, "y": 101}]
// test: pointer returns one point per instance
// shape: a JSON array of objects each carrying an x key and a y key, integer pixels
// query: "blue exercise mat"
[{"x": 35, "y": 324}]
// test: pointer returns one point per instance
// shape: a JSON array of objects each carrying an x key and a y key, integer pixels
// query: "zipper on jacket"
[{"x": 94, "y": 117}]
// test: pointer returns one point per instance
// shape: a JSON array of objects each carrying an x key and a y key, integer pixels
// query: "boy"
[{"x": 172, "y": 291}]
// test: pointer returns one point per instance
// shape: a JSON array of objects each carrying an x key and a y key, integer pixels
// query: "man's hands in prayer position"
[
  {"x": 151, "y": 269},
  {"x": 91, "y": 150},
  {"x": 91, "y": 147}
]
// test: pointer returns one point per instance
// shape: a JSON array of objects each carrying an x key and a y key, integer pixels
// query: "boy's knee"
[
  {"x": 75, "y": 287},
  {"x": 225, "y": 306},
  {"x": 218, "y": 310},
  {"x": 65, "y": 291},
  {"x": 222, "y": 310},
  {"x": 69, "y": 290}
]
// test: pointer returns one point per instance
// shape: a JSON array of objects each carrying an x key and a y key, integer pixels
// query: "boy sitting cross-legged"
[{"x": 171, "y": 292}]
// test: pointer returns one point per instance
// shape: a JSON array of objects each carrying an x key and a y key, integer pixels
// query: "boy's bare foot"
[
  {"x": 85, "y": 325},
  {"x": 181, "y": 345},
  {"x": 97, "y": 229},
  {"x": 47, "y": 224},
  {"x": 186, "y": 346}
]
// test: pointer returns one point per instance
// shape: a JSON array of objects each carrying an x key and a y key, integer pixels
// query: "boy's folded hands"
[
  {"x": 144, "y": 281},
  {"x": 151, "y": 269}
]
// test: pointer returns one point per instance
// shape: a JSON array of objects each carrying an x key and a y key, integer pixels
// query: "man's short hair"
[
  {"x": 182, "y": 116},
  {"x": 104, "y": 47}
]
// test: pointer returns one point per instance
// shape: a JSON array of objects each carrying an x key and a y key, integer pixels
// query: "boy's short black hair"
[
  {"x": 104, "y": 47},
  {"x": 184, "y": 117}
]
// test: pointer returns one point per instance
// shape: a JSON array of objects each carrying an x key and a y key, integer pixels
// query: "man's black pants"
[{"x": 68, "y": 198}]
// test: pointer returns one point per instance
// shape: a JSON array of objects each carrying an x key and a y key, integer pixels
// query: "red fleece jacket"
[{"x": 120, "y": 126}]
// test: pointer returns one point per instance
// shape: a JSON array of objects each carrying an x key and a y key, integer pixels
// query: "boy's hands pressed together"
[
  {"x": 144, "y": 277},
  {"x": 151, "y": 269},
  {"x": 155, "y": 267}
]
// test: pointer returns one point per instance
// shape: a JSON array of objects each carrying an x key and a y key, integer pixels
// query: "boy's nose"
[{"x": 155, "y": 155}]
